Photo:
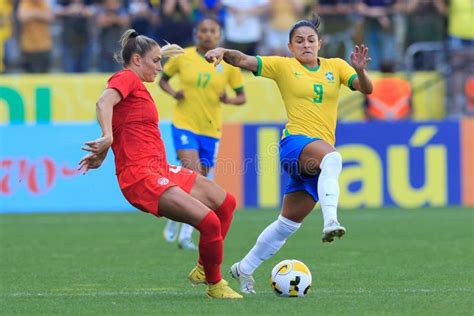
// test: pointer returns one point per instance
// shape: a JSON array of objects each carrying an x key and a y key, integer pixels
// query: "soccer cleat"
[
  {"x": 171, "y": 231},
  {"x": 197, "y": 275},
  {"x": 222, "y": 290},
  {"x": 333, "y": 229},
  {"x": 187, "y": 244},
  {"x": 247, "y": 282}
]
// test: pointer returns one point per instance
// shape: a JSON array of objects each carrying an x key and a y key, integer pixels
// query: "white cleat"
[
  {"x": 247, "y": 282},
  {"x": 171, "y": 231},
  {"x": 187, "y": 244},
  {"x": 333, "y": 229}
]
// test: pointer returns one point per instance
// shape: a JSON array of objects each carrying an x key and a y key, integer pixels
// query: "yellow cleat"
[
  {"x": 197, "y": 275},
  {"x": 222, "y": 290}
]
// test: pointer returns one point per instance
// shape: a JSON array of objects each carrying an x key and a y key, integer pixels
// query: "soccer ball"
[{"x": 291, "y": 278}]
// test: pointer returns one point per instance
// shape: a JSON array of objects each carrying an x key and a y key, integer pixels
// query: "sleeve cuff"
[
  {"x": 351, "y": 79},
  {"x": 259, "y": 67},
  {"x": 118, "y": 90},
  {"x": 239, "y": 89},
  {"x": 165, "y": 76}
]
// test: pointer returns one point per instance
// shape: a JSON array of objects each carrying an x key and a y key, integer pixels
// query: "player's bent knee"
[
  {"x": 178, "y": 205},
  {"x": 332, "y": 163},
  {"x": 231, "y": 201},
  {"x": 208, "y": 192},
  {"x": 210, "y": 225}
]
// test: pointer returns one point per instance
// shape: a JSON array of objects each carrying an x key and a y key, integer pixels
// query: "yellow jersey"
[
  {"x": 461, "y": 15},
  {"x": 202, "y": 83},
  {"x": 310, "y": 95},
  {"x": 5, "y": 28}
]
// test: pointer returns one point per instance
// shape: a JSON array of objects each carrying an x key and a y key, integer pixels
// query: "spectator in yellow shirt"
[
  {"x": 460, "y": 19},
  {"x": 5, "y": 29}
]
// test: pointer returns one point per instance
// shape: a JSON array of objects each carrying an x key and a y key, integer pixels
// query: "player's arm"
[
  {"x": 164, "y": 84},
  {"x": 98, "y": 148},
  {"x": 359, "y": 60},
  {"x": 239, "y": 98},
  {"x": 232, "y": 57},
  {"x": 235, "y": 81}
]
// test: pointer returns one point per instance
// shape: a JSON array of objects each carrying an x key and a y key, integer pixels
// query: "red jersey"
[{"x": 137, "y": 139}]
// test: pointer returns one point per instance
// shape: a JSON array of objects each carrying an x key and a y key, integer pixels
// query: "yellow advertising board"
[{"x": 65, "y": 98}]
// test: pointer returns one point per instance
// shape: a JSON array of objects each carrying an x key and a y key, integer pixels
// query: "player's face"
[
  {"x": 208, "y": 34},
  {"x": 305, "y": 45},
  {"x": 150, "y": 64}
]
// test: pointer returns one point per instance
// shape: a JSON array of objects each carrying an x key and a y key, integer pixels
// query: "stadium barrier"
[{"x": 403, "y": 164}]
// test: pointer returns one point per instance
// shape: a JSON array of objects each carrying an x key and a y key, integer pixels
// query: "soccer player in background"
[
  {"x": 309, "y": 86},
  {"x": 197, "y": 118},
  {"x": 129, "y": 121}
]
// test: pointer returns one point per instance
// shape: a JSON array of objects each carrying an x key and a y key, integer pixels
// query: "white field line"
[{"x": 151, "y": 292}]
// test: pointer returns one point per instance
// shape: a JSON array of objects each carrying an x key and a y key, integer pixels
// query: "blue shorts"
[
  {"x": 290, "y": 149},
  {"x": 206, "y": 146}
]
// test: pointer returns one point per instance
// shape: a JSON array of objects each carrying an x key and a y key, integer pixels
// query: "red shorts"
[{"x": 143, "y": 188}]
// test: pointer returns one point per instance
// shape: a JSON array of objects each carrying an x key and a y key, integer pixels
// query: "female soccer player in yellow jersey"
[
  {"x": 309, "y": 86},
  {"x": 197, "y": 118}
]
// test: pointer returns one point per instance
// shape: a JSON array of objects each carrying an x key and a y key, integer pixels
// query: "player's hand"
[
  {"x": 215, "y": 55},
  {"x": 90, "y": 161},
  {"x": 223, "y": 97},
  {"x": 99, "y": 145},
  {"x": 179, "y": 95},
  {"x": 360, "y": 57}
]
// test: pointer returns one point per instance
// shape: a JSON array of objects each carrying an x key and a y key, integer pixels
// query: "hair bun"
[{"x": 134, "y": 34}]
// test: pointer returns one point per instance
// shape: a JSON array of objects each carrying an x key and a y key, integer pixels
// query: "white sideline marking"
[
  {"x": 91, "y": 294},
  {"x": 394, "y": 291},
  {"x": 180, "y": 293}
]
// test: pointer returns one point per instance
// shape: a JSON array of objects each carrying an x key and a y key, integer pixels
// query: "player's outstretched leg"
[
  {"x": 296, "y": 206},
  {"x": 223, "y": 204},
  {"x": 328, "y": 192},
  {"x": 268, "y": 243},
  {"x": 180, "y": 206},
  {"x": 210, "y": 251},
  {"x": 225, "y": 214}
]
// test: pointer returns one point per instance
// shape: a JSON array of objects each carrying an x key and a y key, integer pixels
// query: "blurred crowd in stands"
[{"x": 38, "y": 36}]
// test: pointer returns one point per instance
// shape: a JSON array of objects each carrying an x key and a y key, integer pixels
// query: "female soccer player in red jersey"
[{"x": 129, "y": 121}]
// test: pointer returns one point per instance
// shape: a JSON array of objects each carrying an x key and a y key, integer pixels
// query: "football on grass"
[{"x": 291, "y": 278}]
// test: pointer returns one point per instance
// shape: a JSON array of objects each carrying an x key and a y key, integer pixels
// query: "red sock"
[
  {"x": 210, "y": 247},
  {"x": 225, "y": 213}
]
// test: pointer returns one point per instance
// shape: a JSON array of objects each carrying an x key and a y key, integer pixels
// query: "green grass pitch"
[{"x": 391, "y": 262}]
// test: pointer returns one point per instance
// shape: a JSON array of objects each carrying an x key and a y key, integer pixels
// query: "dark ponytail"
[
  {"x": 313, "y": 23},
  {"x": 131, "y": 43}
]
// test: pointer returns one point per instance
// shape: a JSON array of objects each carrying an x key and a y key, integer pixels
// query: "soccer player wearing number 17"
[
  {"x": 309, "y": 86},
  {"x": 197, "y": 118}
]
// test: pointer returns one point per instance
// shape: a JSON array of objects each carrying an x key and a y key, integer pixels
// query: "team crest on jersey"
[
  {"x": 184, "y": 139},
  {"x": 219, "y": 68},
  {"x": 163, "y": 181},
  {"x": 329, "y": 76}
]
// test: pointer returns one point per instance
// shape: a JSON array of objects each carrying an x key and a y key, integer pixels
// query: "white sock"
[
  {"x": 328, "y": 185},
  {"x": 268, "y": 243},
  {"x": 185, "y": 232}
]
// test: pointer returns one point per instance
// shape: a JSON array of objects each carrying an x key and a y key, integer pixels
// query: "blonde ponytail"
[{"x": 170, "y": 50}]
